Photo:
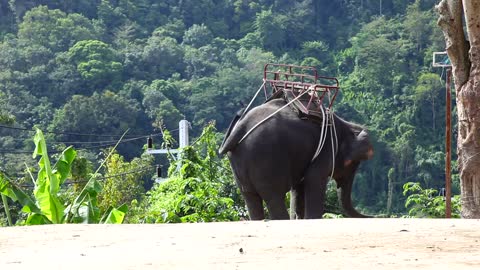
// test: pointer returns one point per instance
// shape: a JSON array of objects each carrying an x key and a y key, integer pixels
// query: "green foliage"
[
  {"x": 5, "y": 116},
  {"x": 54, "y": 29},
  {"x": 426, "y": 203},
  {"x": 199, "y": 188},
  {"x": 420, "y": 24},
  {"x": 271, "y": 30},
  {"x": 161, "y": 57},
  {"x": 84, "y": 208},
  {"x": 332, "y": 206},
  {"x": 96, "y": 62},
  {"x": 159, "y": 102},
  {"x": 45, "y": 207},
  {"x": 100, "y": 113},
  {"x": 81, "y": 169},
  {"x": 102, "y": 66},
  {"x": 331, "y": 216},
  {"x": 124, "y": 181},
  {"x": 197, "y": 36},
  {"x": 7, "y": 209},
  {"x": 49, "y": 180},
  {"x": 319, "y": 51}
]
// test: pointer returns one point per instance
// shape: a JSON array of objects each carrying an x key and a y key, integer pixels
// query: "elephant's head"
[{"x": 359, "y": 149}]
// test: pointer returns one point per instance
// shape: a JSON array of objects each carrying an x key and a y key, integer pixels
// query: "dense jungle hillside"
[{"x": 100, "y": 67}]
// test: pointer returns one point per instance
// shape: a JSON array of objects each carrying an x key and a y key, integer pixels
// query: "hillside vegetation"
[{"x": 100, "y": 67}]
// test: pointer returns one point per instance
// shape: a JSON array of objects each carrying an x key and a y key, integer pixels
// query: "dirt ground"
[{"x": 303, "y": 244}]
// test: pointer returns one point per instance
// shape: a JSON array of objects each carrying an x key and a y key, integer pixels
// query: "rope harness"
[{"x": 327, "y": 120}]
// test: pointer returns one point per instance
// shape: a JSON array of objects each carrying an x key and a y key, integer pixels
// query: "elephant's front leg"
[
  {"x": 315, "y": 186},
  {"x": 315, "y": 197}
]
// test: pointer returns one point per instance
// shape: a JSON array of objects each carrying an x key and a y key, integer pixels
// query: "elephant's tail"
[{"x": 230, "y": 139}]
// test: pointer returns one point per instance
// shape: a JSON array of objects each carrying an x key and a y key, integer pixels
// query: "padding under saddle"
[{"x": 306, "y": 107}]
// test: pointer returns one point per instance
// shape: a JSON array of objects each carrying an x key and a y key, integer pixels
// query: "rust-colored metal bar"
[
  {"x": 290, "y": 70},
  {"x": 305, "y": 84},
  {"x": 448, "y": 150},
  {"x": 298, "y": 79}
]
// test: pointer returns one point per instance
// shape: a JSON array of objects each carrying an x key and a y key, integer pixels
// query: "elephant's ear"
[
  {"x": 344, "y": 152},
  {"x": 361, "y": 149}
]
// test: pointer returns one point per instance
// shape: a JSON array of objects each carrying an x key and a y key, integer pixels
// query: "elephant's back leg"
[
  {"x": 275, "y": 200},
  {"x": 277, "y": 208},
  {"x": 254, "y": 205}
]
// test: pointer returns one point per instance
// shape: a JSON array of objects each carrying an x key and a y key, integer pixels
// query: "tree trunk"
[
  {"x": 391, "y": 176},
  {"x": 466, "y": 72}
]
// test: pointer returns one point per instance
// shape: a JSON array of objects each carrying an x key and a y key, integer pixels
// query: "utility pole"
[
  {"x": 183, "y": 130},
  {"x": 183, "y": 140},
  {"x": 440, "y": 59},
  {"x": 448, "y": 146}
]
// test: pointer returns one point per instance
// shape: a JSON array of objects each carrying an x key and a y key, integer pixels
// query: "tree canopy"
[{"x": 101, "y": 67}]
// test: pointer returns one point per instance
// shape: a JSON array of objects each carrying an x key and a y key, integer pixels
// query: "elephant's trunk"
[{"x": 346, "y": 199}]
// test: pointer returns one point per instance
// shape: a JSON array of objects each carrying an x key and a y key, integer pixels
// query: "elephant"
[{"x": 276, "y": 156}]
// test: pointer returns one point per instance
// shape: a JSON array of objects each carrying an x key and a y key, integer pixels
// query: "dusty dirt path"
[{"x": 314, "y": 244}]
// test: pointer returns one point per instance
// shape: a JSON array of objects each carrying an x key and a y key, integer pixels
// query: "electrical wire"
[
  {"x": 86, "y": 142},
  {"x": 111, "y": 176},
  {"x": 111, "y": 143},
  {"x": 81, "y": 148},
  {"x": 90, "y": 142},
  {"x": 97, "y": 178},
  {"x": 63, "y": 133},
  {"x": 73, "y": 133}
]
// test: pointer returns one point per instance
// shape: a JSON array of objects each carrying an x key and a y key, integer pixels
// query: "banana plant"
[{"x": 45, "y": 207}]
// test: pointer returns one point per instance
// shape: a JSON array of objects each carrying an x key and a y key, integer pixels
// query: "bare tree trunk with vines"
[{"x": 465, "y": 61}]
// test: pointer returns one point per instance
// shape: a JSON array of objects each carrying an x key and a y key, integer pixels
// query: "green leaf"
[
  {"x": 116, "y": 215},
  {"x": 7, "y": 209},
  {"x": 37, "y": 219},
  {"x": 17, "y": 194},
  {"x": 64, "y": 164},
  {"x": 47, "y": 184},
  {"x": 84, "y": 207}
]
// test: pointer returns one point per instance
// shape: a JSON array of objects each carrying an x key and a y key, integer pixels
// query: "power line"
[
  {"x": 73, "y": 133},
  {"x": 81, "y": 148},
  {"x": 11, "y": 151},
  {"x": 63, "y": 133},
  {"x": 82, "y": 142},
  {"x": 115, "y": 141},
  {"x": 97, "y": 178},
  {"x": 87, "y": 142}
]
